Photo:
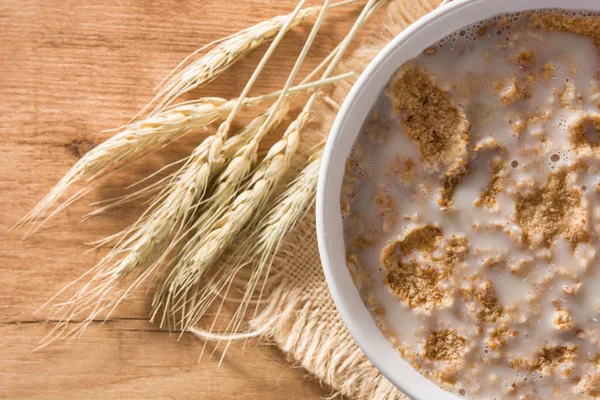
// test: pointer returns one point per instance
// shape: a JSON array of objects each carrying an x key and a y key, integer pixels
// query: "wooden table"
[{"x": 69, "y": 70}]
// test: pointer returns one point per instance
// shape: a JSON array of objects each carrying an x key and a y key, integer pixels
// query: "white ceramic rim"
[{"x": 348, "y": 122}]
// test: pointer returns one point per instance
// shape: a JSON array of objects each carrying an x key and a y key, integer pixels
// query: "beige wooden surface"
[{"x": 68, "y": 70}]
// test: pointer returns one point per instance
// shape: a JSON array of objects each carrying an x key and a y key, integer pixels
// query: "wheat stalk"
[
  {"x": 228, "y": 183},
  {"x": 146, "y": 243},
  {"x": 264, "y": 240},
  {"x": 226, "y": 53},
  {"x": 147, "y": 236}
]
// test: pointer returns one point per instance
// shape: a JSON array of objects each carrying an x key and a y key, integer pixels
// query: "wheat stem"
[
  {"x": 209, "y": 246},
  {"x": 145, "y": 244},
  {"x": 260, "y": 245},
  {"x": 136, "y": 245},
  {"x": 259, "y": 68},
  {"x": 205, "y": 162},
  {"x": 264, "y": 240}
]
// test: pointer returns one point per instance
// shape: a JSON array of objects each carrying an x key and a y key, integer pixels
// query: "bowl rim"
[{"x": 408, "y": 44}]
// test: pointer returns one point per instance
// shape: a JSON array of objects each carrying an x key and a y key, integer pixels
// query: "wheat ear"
[
  {"x": 214, "y": 142},
  {"x": 229, "y": 180},
  {"x": 226, "y": 108},
  {"x": 265, "y": 239},
  {"x": 226, "y": 53},
  {"x": 228, "y": 183},
  {"x": 138, "y": 139},
  {"x": 132, "y": 142}
]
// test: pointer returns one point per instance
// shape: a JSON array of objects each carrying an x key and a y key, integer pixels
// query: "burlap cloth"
[{"x": 301, "y": 317}]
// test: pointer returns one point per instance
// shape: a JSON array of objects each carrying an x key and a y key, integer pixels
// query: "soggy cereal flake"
[
  {"x": 569, "y": 97},
  {"x": 449, "y": 183},
  {"x": 555, "y": 21},
  {"x": 353, "y": 265},
  {"x": 445, "y": 346},
  {"x": 420, "y": 270},
  {"x": 573, "y": 69},
  {"x": 362, "y": 233},
  {"x": 511, "y": 90},
  {"x": 357, "y": 168},
  {"x": 589, "y": 382},
  {"x": 488, "y": 309},
  {"x": 501, "y": 334},
  {"x": 595, "y": 92},
  {"x": 458, "y": 245},
  {"x": 419, "y": 285},
  {"x": 489, "y": 143},
  {"x": 585, "y": 134},
  {"x": 546, "y": 359},
  {"x": 551, "y": 211},
  {"x": 428, "y": 116},
  {"x": 572, "y": 288},
  {"x": 424, "y": 238},
  {"x": 483, "y": 29},
  {"x": 375, "y": 129},
  {"x": 548, "y": 71}
]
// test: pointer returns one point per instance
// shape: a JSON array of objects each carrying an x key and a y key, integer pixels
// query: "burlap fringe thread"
[{"x": 300, "y": 315}]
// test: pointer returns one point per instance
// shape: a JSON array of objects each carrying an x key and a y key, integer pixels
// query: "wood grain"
[{"x": 68, "y": 71}]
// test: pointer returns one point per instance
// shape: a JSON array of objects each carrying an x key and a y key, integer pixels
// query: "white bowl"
[{"x": 345, "y": 130}]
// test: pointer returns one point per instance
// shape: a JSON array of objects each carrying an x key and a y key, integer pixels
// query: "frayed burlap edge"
[{"x": 301, "y": 317}]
